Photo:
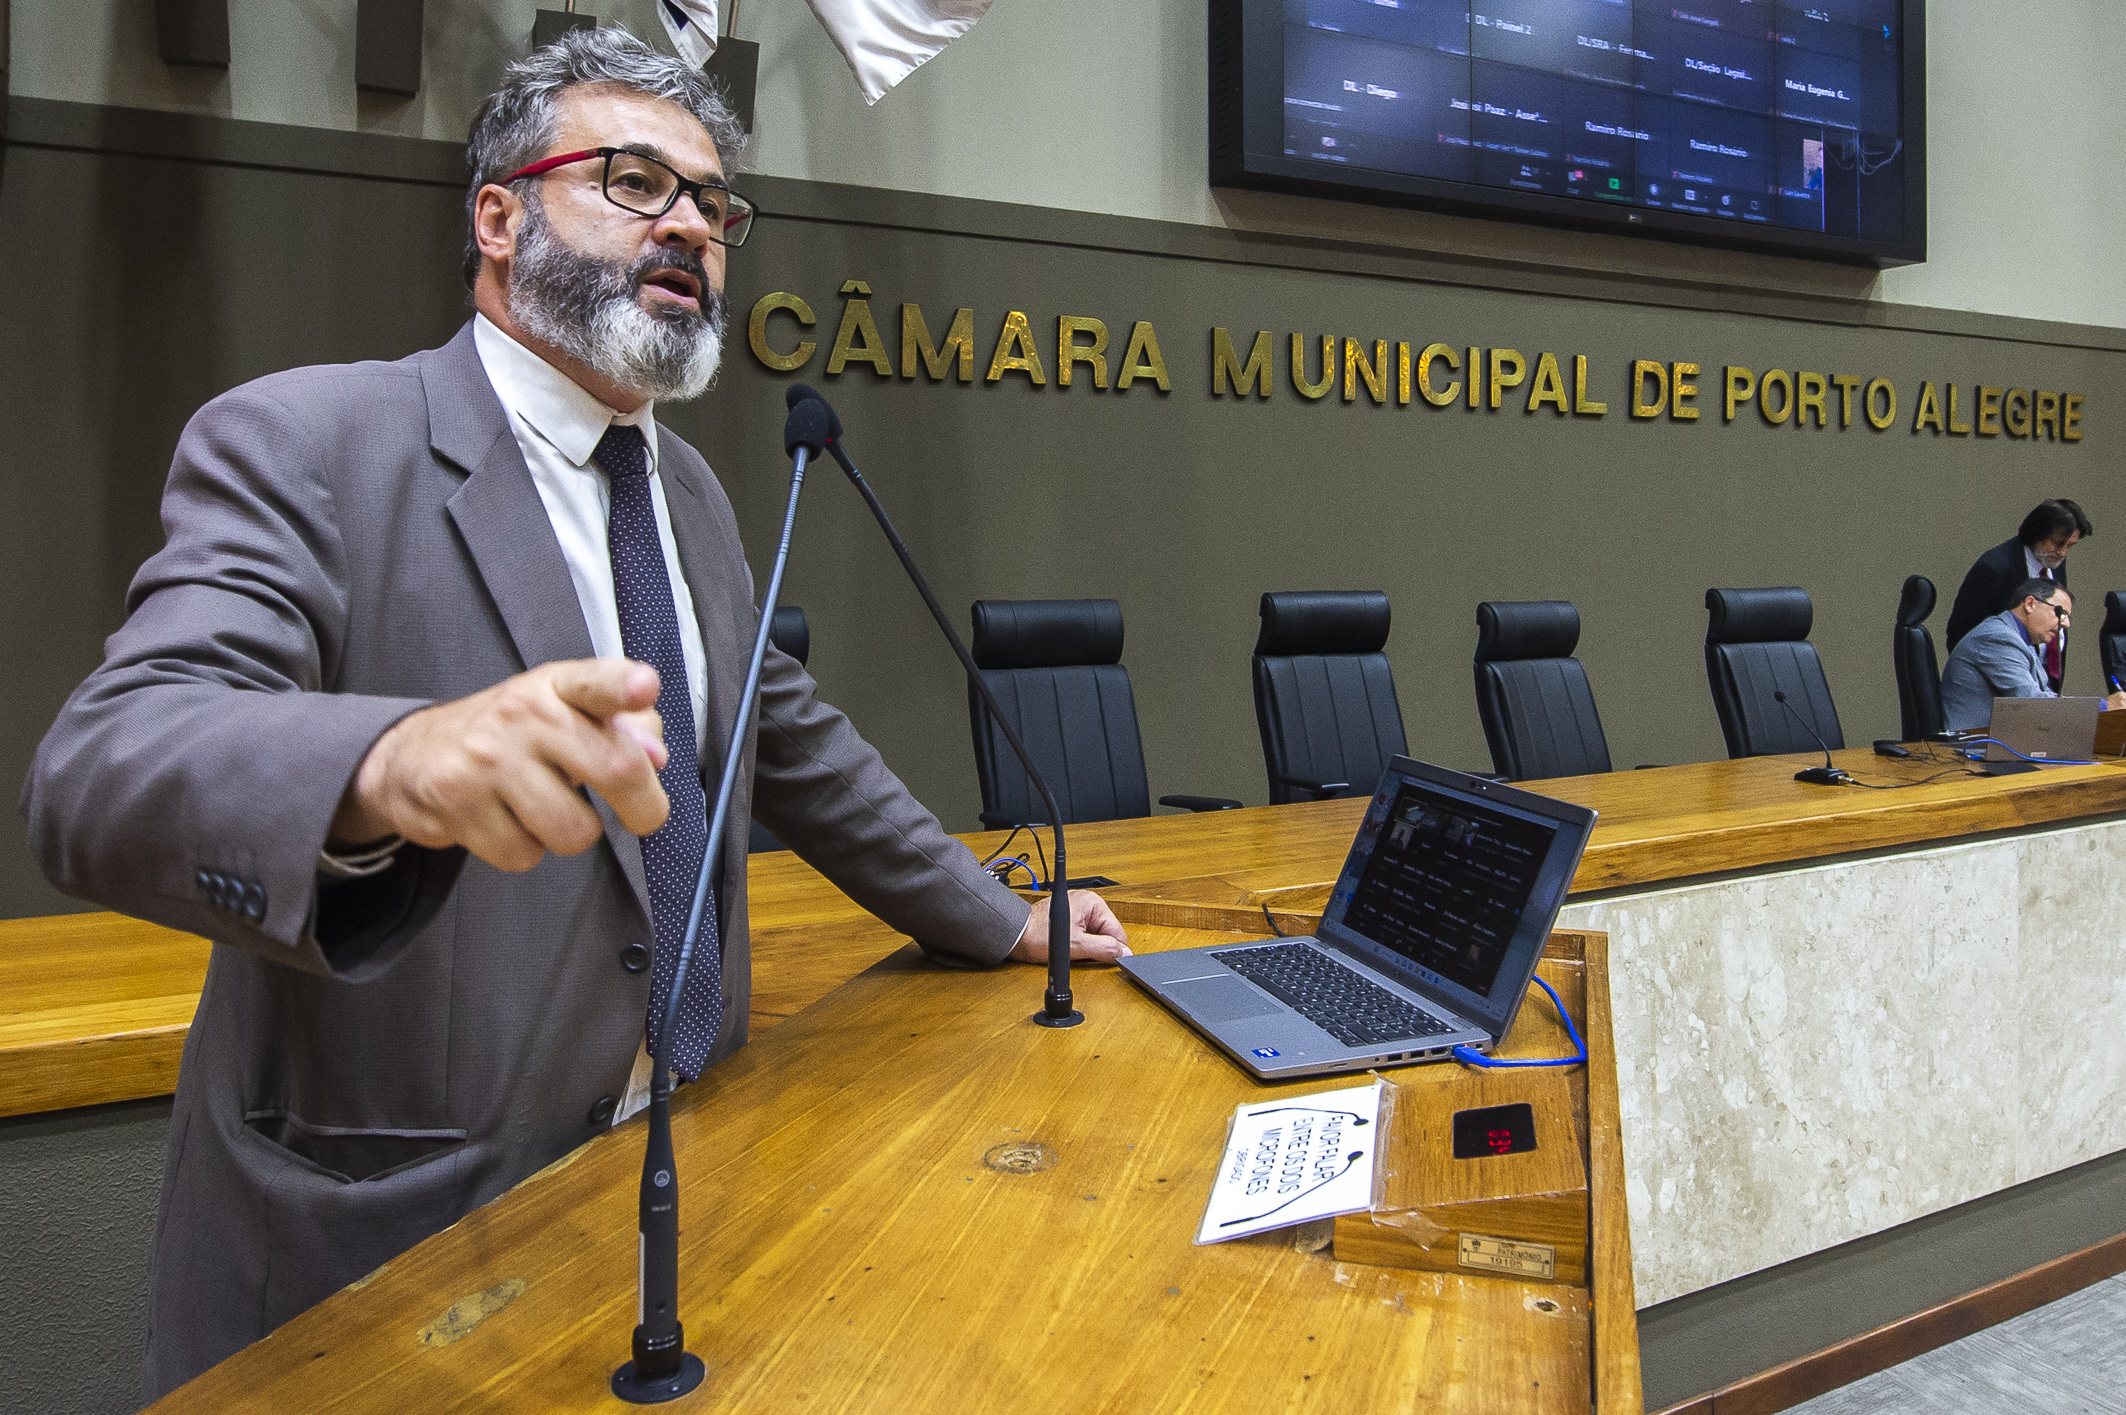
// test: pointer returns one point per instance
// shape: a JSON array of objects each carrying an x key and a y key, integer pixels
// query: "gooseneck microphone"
[
  {"x": 1056, "y": 1009},
  {"x": 1827, "y": 774},
  {"x": 661, "y": 1367}
]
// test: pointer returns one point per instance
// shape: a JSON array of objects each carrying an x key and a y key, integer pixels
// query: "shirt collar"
[{"x": 554, "y": 405}]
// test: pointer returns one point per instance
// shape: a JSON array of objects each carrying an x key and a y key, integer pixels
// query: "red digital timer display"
[{"x": 1494, "y": 1130}]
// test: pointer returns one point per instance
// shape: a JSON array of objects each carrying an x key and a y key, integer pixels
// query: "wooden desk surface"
[
  {"x": 846, "y": 1247},
  {"x": 1214, "y": 870}
]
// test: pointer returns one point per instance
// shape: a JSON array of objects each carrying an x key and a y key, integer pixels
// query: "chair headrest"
[
  {"x": 2114, "y": 612},
  {"x": 1547, "y": 628},
  {"x": 791, "y": 632},
  {"x": 1758, "y": 616},
  {"x": 1917, "y": 601},
  {"x": 1046, "y": 633},
  {"x": 1322, "y": 621}
]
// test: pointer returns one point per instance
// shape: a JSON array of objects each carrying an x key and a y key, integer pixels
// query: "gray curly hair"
[{"x": 516, "y": 124}]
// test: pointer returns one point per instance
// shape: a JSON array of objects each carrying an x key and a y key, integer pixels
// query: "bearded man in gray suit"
[{"x": 382, "y": 723}]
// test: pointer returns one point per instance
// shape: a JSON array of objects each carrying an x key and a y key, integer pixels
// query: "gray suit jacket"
[
  {"x": 371, "y": 1060},
  {"x": 1993, "y": 661}
]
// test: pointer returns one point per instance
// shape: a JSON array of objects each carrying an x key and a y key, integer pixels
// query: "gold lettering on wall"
[
  {"x": 857, "y": 325},
  {"x": 1299, "y": 366},
  {"x": 2045, "y": 416},
  {"x": 958, "y": 347},
  {"x": 1809, "y": 391},
  {"x": 1641, "y": 371},
  {"x": 2015, "y": 413},
  {"x": 1438, "y": 353},
  {"x": 1889, "y": 407},
  {"x": 757, "y": 331},
  {"x": 1374, "y": 374},
  {"x": 1069, "y": 352},
  {"x": 1508, "y": 370},
  {"x": 1780, "y": 379},
  {"x": 1681, "y": 392},
  {"x": 1225, "y": 364},
  {"x": 1741, "y": 388},
  {"x": 1442, "y": 374},
  {"x": 1847, "y": 383},
  {"x": 1928, "y": 413},
  {"x": 1016, "y": 352},
  {"x": 1549, "y": 388},
  {"x": 1582, "y": 405},
  {"x": 1142, "y": 359}
]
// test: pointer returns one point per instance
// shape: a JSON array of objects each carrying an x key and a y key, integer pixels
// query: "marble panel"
[
  {"x": 1812, "y": 1055},
  {"x": 2073, "y": 959}
]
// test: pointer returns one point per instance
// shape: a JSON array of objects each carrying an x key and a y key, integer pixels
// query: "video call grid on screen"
[
  {"x": 1723, "y": 108},
  {"x": 1444, "y": 882}
]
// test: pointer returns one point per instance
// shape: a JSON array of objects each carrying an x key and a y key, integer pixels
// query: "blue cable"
[
  {"x": 2041, "y": 761},
  {"x": 1470, "y": 1056},
  {"x": 1002, "y": 870}
]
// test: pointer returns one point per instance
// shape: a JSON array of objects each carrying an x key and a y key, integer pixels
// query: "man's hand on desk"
[
  {"x": 2114, "y": 701},
  {"x": 1095, "y": 932},
  {"x": 497, "y": 772}
]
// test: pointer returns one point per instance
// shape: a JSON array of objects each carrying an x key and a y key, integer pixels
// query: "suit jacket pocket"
[
  {"x": 341, "y": 1201},
  {"x": 350, "y": 1154}
]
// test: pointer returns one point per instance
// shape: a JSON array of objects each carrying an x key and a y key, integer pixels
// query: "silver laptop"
[
  {"x": 2043, "y": 729},
  {"x": 1428, "y": 942}
]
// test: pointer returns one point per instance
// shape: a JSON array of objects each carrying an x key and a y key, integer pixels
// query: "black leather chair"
[
  {"x": 1533, "y": 695},
  {"x": 1324, "y": 694},
  {"x": 1756, "y": 644},
  {"x": 1918, "y": 671},
  {"x": 791, "y": 632},
  {"x": 1055, "y": 669},
  {"x": 2111, "y": 644}
]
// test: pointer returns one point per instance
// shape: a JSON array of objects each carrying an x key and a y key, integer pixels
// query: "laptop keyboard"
[{"x": 1334, "y": 998}]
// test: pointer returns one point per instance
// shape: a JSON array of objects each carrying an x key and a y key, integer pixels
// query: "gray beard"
[{"x": 591, "y": 310}]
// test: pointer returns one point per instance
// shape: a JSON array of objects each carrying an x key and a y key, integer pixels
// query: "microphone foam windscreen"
[
  {"x": 798, "y": 393},
  {"x": 806, "y": 427}
]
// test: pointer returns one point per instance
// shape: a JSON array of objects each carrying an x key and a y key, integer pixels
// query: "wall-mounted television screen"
[{"x": 1788, "y": 125}]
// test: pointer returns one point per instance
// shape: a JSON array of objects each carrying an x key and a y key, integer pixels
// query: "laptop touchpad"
[{"x": 1222, "y": 999}]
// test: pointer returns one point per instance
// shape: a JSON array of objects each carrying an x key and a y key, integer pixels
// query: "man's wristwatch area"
[{"x": 360, "y": 861}]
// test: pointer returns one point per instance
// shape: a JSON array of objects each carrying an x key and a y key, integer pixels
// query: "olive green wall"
[{"x": 137, "y": 285}]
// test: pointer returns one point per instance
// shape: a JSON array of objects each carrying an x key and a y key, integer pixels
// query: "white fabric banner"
[
  {"x": 692, "y": 27},
  {"x": 887, "y": 40}
]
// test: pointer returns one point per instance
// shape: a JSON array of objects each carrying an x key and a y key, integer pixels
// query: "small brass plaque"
[{"x": 1503, "y": 1255}]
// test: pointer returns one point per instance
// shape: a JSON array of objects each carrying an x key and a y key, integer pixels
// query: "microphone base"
[
  {"x": 1068, "y": 1019},
  {"x": 1824, "y": 776},
  {"x": 636, "y": 1391}
]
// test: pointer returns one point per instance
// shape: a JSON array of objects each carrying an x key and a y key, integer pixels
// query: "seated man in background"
[
  {"x": 2003, "y": 656},
  {"x": 2037, "y": 551}
]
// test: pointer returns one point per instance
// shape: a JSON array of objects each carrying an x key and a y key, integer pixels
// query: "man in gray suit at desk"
[
  {"x": 411, "y": 716},
  {"x": 2004, "y": 656}
]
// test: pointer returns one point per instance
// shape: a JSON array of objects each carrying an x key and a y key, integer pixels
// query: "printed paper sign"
[{"x": 1295, "y": 1159}]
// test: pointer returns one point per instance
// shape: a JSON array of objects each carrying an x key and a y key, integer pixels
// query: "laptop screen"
[{"x": 1460, "y": 884}]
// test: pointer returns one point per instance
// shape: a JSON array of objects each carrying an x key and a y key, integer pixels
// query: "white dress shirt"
[{"x": 557, "y": 426}]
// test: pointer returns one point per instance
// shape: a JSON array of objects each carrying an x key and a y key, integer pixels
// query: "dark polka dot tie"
[{"x": 671, "y": 855}]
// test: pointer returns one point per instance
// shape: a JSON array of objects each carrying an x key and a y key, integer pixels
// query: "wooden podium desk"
[
  {"x": 853, "y": 1240},
  {"x": 95, "y": 1007}
]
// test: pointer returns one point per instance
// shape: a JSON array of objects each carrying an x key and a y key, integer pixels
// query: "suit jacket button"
[
  {"x": 602, "y": 1111},
  {"x": 634, "y": 958},
  {"x": 255, "y": 901},
  {"x": 206, "y": 883}
]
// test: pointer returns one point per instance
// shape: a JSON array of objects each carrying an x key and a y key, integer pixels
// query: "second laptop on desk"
[{"x": 1428, "y": 942}]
